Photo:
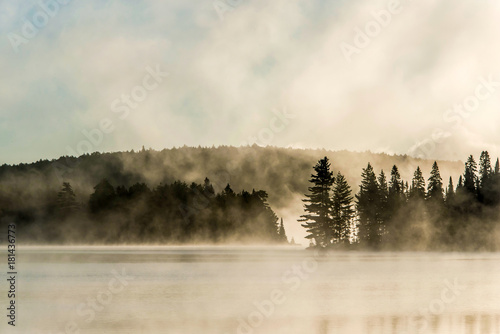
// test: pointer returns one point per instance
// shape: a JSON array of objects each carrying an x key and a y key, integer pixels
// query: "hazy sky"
[{"x": 356, "y": 75}]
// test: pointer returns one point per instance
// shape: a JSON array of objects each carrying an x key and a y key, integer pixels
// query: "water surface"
[{"x": 253, "y": 290}]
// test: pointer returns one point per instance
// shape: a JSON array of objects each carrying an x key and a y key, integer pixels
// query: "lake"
[{"x": 252, "y": 290}]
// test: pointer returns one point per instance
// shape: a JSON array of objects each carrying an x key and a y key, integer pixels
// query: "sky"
[{"x": 401, "y": 77}]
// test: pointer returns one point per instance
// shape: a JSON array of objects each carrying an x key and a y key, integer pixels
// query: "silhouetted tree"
[
  {"x": 367, "y": 205},
  {"x": 485, "y": 189},
  {"x": 282, "y": 234},
  {"x": 417, "y": 190},
  {"x": 383, "y": 213},
  {"x": 450, "y": 192},
  {"x": 396, "y": 190},
  {"x": 103, "y": 198},
  {"x": 435, "y": 186},
  {"x": 470, "y": 177},
  {"x": 318, "y": 204},
  {"x": 66, "y": 200},
  {"x": 496, "y": 184},
  {"x": 396, "y": 201},
  {"x": 342, "y": 210}
]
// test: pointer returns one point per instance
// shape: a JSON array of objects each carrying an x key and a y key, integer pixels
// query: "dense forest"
[
  {"x": 282, "y": 172},
  {"x": 389, "y": 213},
  {"x": 169, "y": 213},
  {"x": 165, "y": 197}
]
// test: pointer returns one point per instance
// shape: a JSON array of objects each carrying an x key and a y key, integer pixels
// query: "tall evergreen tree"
[
  {"x": 417, "y": 190},
  {"x": 367, "y": 204},
  {"x": 485, "y": 170},
  {"x": 281, "y": 233},
  {"x": 383, "y": 213},
  {"x": 460, "y": 184},
  {"x": 435, "y": 186},
  {"x": 66, "y": 200},
  {"x": 382, "y": 184},
  {"x": 496, "y": 184},
  {"x": 470, "y": 177},
  {"x": 396, "y": 200},
  {"x": 396, "y": 194},
  {"x": 396, "y": 185},
  {"x": 450, "y": 192},
  {"x": 485, "y": 185},
  {"x": 318, "y": 205},
  {"x": 342, "y": 210}
]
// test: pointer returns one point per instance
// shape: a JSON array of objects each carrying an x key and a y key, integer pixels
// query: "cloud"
[{"x": 228, "y": 75}]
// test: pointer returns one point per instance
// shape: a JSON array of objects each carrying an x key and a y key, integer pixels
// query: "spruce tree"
[
  {"x": 383, "y": 197},
  {"x": 485, "y": 187},
  {"x": 66, "y": 200},
  {"x": 396, "y": 186},
  {"x": 485, "y": 170},
  {"x": 342, "y": 210},
  {"x": 460, "y": 184},
  {"x": 496, "y": 184},
  {"x": 281, "y": 233},
  {"x": 435, "y": 186},
  {"x": 470, "y": 177},
  {"x": 318, "y": 205},
  {"x": 367, "y": 206},
  {"x": 396, "y": 200},
  {"x": 450, "y": 192},
  {"x": 417, "y": 190}
]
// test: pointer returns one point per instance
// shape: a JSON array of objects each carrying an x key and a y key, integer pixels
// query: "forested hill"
[{"x": 282, "y": 172}]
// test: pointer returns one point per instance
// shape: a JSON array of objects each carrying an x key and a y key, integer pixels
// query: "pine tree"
[
  {"x": 496, "y": 184},
  {"x": 395, "y": 184},
  {"x": 367, "y": 206},
  {"x": 435, "y": 186},
  {"x": 342, "y": 210},
  {"x": 417, "y": 190},
  {"x": 317, "y": 218},
  {"x": 66, "y": 200},
  {"x": 485, "y": 183},
  {"x": 395, "y": 198},
  {"x": 281, "y": 233},
  {"x": 450, "y": 192},
  {"x": 460, "y": 184},
  {"x": 383, "y": 198},
  {"x": 485, "y": 170},
  {"x": 470, "y": 177}
]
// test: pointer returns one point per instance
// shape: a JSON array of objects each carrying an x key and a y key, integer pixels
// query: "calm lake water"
[{"x": 252, "y": 290}]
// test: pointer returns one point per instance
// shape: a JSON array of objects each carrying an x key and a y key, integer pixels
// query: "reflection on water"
[{"x": 254, "y": 290}]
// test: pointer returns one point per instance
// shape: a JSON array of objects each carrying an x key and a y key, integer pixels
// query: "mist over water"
[{"x": 284, "y": 289}]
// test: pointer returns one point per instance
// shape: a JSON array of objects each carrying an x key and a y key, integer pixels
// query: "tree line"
[
  {"x": 168, "y": 213},
  {"x": 390, "y": 213}
]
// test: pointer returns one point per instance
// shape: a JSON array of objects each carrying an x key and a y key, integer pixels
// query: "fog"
[
  {"x": 282, "y": 173},
  {"x": 226, "y": 76},
  {"x": 229, "y": 289},
  {"x": 148, "y": 150}
]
